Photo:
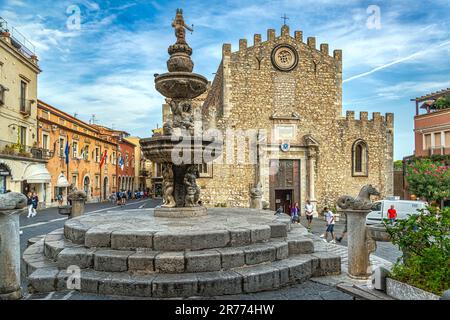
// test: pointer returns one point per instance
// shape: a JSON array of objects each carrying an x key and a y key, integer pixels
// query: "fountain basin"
[
  {"x": 378, "y": 232},
  {"x": 181, "y": 85},
  {"x": 173, "y": 149}
]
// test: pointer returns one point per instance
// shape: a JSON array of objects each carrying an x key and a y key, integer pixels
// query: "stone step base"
[
  {"x": 65, "y": 254},
  {"x": 262, "y": 277}
]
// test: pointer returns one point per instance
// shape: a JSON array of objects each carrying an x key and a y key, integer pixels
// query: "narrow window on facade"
[
  {"x": 86, "y": 153},
  {"x": 427, "y": 142},
  {"x": 61, "y": 147},
  {"x": 113, "y": 158},
  {"x": 23, "y": 96},
  {"x": 45, "y": 141},
  {"x": 2, "y": 95},
  {"x": 75, "y": 180},
  {"x": 97, "y": 154},
  {"x": 74, "y": 149},
  {"x": 97, "y": 182},
  {"x": 22, "y": 136},
  {"x": 360, "y": 158}
]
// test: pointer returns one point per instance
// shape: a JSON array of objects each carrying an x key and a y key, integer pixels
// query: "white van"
[{"x": 403, "y": 208}]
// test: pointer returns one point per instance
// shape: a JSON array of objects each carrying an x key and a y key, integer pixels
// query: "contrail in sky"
[{"x": 395, "y": 62}]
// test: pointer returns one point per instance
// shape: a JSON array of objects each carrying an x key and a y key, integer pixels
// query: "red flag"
[{"x": 103, "y": 159}]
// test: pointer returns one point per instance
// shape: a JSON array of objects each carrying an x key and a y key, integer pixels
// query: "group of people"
[
  {"x": 32, "y": 204},
  {"x": 329, "y": 218},
  {"x": 295, "y": 213}
]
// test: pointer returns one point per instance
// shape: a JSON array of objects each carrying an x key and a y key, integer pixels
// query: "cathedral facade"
[{"x": 290, "y": 93}]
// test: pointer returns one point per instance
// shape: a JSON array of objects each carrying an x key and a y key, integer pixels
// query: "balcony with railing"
[
  {"x": 18, "y": 150},
  {"x": 25, "y": 106}
]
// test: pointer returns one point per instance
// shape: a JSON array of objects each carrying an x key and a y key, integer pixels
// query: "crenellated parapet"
[
  {"x": 376, "y": 119},
  {"x": 323, "y": 48}
]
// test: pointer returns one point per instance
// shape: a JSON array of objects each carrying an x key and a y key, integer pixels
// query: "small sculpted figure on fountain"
[
  {"x": 192, "y": 190},
  {"x": 168, "y": 199},
  {"x": 179, "y": 25}
]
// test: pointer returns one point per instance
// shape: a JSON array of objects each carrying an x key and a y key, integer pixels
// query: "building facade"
[
  {"x": 284, "y": 97},
  {"x": 86, "y": 148},
  {"x": 22, "y": 161},
  {"x": 432, "y": 125},
  {"x": 142, "y": 167}
]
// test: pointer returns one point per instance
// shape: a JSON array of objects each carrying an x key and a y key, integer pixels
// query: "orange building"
[
  {"x": 432, "y": 127},
  {"x": 87, "y": 145},
  {"x": 126, "y": 174}
]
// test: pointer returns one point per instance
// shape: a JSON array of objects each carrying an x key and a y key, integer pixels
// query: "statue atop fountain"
[{"x": 178, "y": 148}]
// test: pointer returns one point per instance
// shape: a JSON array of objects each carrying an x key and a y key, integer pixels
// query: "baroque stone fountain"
[
  {"x": 177, "y": 250},
  {"x": 180, "y": 149}
]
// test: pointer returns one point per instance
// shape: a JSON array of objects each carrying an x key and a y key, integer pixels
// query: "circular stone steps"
[
  {"x": 140, "y": 255},
  {"x": 45, "y": 276}
]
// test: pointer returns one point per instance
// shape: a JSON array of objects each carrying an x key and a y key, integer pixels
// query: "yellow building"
[
  {"x": 22, "y": 162},
  {"x": 142, "y": 166}
]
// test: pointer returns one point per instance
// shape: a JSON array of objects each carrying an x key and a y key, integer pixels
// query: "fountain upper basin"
[{"x": 180, "y": 85}]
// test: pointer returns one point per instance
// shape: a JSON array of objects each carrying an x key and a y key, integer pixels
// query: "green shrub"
[{"x": 424, "y": 239}]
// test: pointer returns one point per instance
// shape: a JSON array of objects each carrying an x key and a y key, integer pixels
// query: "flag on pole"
[
  {"x": 121, "y": 163},
  {"x": 67, "y": 151},
  {"x": 103, "y": 158}
]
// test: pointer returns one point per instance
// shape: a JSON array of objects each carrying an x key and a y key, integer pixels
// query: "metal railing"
[
  {"x": 24, "y": 151},
  {"x": 18, "y": 40}
]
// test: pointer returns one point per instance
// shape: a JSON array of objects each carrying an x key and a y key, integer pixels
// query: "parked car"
[{"x": 403, "y": 208}]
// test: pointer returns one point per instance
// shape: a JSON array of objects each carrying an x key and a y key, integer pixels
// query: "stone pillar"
[
  {"x": 311, "y": 180},
  {"x": 358, "y": 251},
  {"x": 78, "y": 199},
  {"x": 10, "y": 205}
]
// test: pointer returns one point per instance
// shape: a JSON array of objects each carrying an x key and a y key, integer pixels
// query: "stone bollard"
[
  {"x": 358, "y": 244},
  {"x": 11, "y": 204},
  {"x": 256, "y": 197},
  {"x": 78, "y": 199}
]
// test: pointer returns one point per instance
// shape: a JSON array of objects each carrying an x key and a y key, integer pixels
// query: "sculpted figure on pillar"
[
  {"x": 192, "y": 190},
  {"x": 179, "y": 25},
  {"x": 168, "y": 199}
]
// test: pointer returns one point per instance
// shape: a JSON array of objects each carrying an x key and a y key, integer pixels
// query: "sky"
[{"x": 99, "y": 57}]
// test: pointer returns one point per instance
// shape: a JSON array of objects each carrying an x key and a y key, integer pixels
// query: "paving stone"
[
  {"x": 98, "y": 238},
  {"x": 231, "y": 257},
  {"x": 278, "y": 230},
  {"x": 131, "y": 239},
  {"x": 223, "y": 283},
  {"x": 174, "y": 285},
  {"x": 142, "y": 261},
  {"x": 328, "y": 264},
  {"x": 260, "y": 233},
  {"x": 111, "y": 260},
  {"x": 259, "y": 253},
  {"x": 170, "y": 262},
  {"x": 240, "y": 237},
  {"x": 259, "y": 278},
  {"x": 202, "y": 261},
  {"x": 43, "y": 280},
  {"x": 300, "y": 246},
  {"x": 81, "y": 257}
]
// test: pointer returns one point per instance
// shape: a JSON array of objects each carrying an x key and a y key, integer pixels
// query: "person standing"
[
  {"x": 309, "y": 210},
  {"x": 329, "y": 217},
  {"x": 295, "y": 212},
  {"x": 392, "y": 214},
  {"x": 59, "y": 197}
]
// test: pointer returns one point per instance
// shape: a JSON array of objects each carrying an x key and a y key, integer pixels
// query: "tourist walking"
[
  {"x": 59, "y": 198},
  {"x": 329, "y": 217},
  {"x": 392, "y": 214},
  {"x": 295, "y": 213},
  {"x": 30, "y": 204},
  {"x": 35, "y": 202},
  {"x": 309, "y": 210}
]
